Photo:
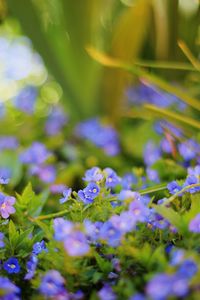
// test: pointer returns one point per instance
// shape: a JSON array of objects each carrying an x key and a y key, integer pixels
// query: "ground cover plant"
[{"x": 97, "y": 202}]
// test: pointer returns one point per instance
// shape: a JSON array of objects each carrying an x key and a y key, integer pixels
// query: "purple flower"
[
  {"x": 92, "y": 229},
  {"x": 159, "y": 287},
  {"x": 192, "y": 179},
  {"x": 180, "y": 286},
  {"x": 111, "y": 178},
  {"x": 177, "y": 257},
  {"x": 35, "y": 154},
  {"x": 153, "y": 175},
  {"x": 6, "y": 205},
  {"x": 194, "y": 225},
  {"x": 12, "y": 265},
  {"x": 57, "y": 188},
  {"x": 123, "y": 222},
  {"x": 194, "y": 171},
  {"x": 92, "y": 190},
  {"x": 139, "y": 211},
  {"x": 76, "y": 244},
  {"x": 138, "y": 296},
  {"x": 93, "y": 174},
  {"x": 66, "y": 195},
  {"x": 4, "y": 176},
  {"x": 52, "y": 284},
  {"x": 86, "y": 199},
  {"x": 188, "y": 149},
  {"x": 31, "y": 267},
  {"x": 110, "y": 234},
  {"x": 25, "y": 100},
  {"x": 128, "y": 180},
  {"x": 9, "y": 289},
  {"x": 151, "y": 153},
  {"x": 2, "y": 244},
  {"x": 56, "y": 120},
  {"x": 174, "y": 187},
  {"x": 106, "y": 293},
  {"x": 62, "y": 228},
  {"x": 8, "y": 142},
  {"x": 187, "y": 269},
  {"x": 46, "y": 173},
  {"x": 39, "y": 247},
  {"x": 102, "y": 136},
  {"x": 128, "y": 194}
]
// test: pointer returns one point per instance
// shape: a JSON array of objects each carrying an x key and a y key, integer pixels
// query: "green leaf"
[
  {"x": 172, "y": 216},
  {"x": 27, "y": 197},
  {"x": 13, "y": 234},
  {"x": 37, "y": 203},
  {"x": 104, "y": 265},
  {"x": 10, "y": 160}
]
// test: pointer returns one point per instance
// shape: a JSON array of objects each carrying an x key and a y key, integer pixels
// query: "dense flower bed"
[{"x": 82, "y": 217}]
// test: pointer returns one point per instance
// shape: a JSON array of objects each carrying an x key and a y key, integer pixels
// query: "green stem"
[
  {"x": 51, "y": 216},
  {"x": 173, "y": 197}
]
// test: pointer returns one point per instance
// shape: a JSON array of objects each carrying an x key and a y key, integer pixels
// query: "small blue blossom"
[
  {"x": 6, "y": 205},
  {"x": 174, "y": 187},
  {"x": 46, "y": 173},
  {"x": 92, "y": 190},
  {"x": 110, "y": 234},
  {"x": 188, "y": 149},
  {"x": 4, "y": 175},
  {"x": 62, "y": 228},
  {"x": 93, "y": 174},
  {"x": 86, "y": 199},
  {"x": 194, "y": 225},
  {"x": 151, "y": 153},
  {"x": 35, "y": 154},
  {"x": 192, "y": 179},
  {"x": 128, "y": 194},
  {"x": 176, "y": 257},
  {"x": 123, "y": 222},
  {"x": 25, "y": 100},
  {"x": 139, "y": 211},
  {"x": 111, "y": 178},
  {"x": 8, "y": 142},
  {"x": 159, "y": 287},
  {"x": 12, "y": 265},
  {"x": 187, "y": 269},
  {"x": 76, "y": 244},
  {"x": 66, "y": 195},
  {"x": 31, "y": 267},
  {"x": 39, "y": 247},
  {"x": 9, "y": 289},
  {"x": 52, "y": 284},
  {"x": 106, "y": 293},
  {"x": 153, "y": 175},
  {"x": 2, "y": 244},
  {"x": 56, "y": 121},
  {"x": 128, "y": 180}
]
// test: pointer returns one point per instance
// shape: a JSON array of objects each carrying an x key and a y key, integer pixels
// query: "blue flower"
[
  {"x": 188, "y": 149},
  {"x": 106, "y": 293},
  {"x": 2, "y": 244},
  {"x": 123, "y": 222},
  {"x": 173, "y": 187},
  {"x": 39, "y": 247},
  {"x": 192, "y": 179},
  {"x": 76, "y": 244},
  {"x": 93, "y": 174},
  {"x": 56, "y": 120},
  {"x": 159, "y": 287},
  {"x": 52, "y": 284},
  {"x": 139, "y": 211},
  {"x": 66, "y": 195},
  {"x": 92, "y": 190},
  {"x": 187, "y": 269},
  {"x": 86, "y": 199},
  {"x": 12, "y": 265},
  {"x": 31, "y": 267},
  {"x": 111, "y": 178},
  {"x": 62, "y": 228},
  {"x": 10, "y": 290},
  {"x": 153, "y": 175},
  {"x": 35, "y": 154},
  {"x": 151, "y": 153},
  {"x": 194, "y": 225},
  {"x": 110, "y": 234},
  {"x": 25, "y": 100},
  {"x": 8, "y": 142},
  {"x": 4, "y": 175}
]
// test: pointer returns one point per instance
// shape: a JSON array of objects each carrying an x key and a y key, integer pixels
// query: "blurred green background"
[{"x": 161, "y": 37}]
